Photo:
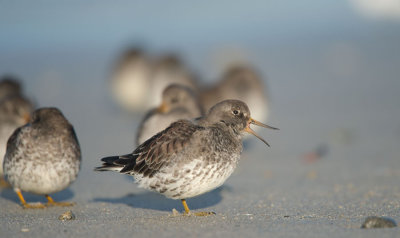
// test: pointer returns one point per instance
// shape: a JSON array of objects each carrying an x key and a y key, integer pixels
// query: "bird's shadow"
[
  {"x": 9, "y": 194},
  {"x": 155, "y": 201}
]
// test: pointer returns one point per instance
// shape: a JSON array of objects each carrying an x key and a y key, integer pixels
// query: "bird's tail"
[
  {"x": 109, "y": 164},
  {"x": 114, "y": 163}
]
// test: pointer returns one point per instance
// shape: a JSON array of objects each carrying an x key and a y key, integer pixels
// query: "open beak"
[
  {"x": 255, "y": 122},
  {"x": 163, "y": 108}
]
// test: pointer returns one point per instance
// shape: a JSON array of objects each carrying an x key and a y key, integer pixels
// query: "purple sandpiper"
[
  {"x": 241, "y": 82},
  {"x": 169, "y": 69},
  {"x": 178, "y": 102},
  {"x": 9, "y": 86},
  {"x": 42, "y": 157},
  {"x": 130, "y": 80},
  {"x": 15, "y": 111},
  {"x": 189, "y": 158}
]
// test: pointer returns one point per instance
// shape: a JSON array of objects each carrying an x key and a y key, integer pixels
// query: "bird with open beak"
[{"x": 190, "y": 157}]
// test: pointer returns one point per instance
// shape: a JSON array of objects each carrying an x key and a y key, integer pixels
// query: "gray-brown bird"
[
  {"x": 43, "y": 156},
  {"x": 9, "y": 86},
  {"x": 189, "y": 158},
  {"x": 169, "y": 69},
  {"x": 131, "y": 80},
  {"x": 240, "y": 82},
  {"x": 178, "y": 102}
]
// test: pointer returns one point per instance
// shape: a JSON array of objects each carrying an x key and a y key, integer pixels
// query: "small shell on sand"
[
  {"x": 68, "y": 215},
  {"x": 175, "y": 212}
]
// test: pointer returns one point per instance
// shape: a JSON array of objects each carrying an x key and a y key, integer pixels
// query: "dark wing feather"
[
  {"x": 114, "y": 162},
  {"x": 156, "y": 152}
]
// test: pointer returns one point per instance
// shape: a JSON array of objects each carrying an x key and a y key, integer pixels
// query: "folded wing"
[{"x": 154, "y": 153}]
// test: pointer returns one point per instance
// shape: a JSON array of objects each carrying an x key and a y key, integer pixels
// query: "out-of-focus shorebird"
[
  {"x": 178, "y": 102},
  {"x": 9, "y": 86},
  {"x": 169, "y": 69},
  {"x": 14, "y": 112},
  {"x": 189, "y": 158},
  {"x": 42, "y": 157},
  {"x": 131, "y": 80},
  {"x": 239, "y": 82}
]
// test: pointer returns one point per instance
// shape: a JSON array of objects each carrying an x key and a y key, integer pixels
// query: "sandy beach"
[{"x": 334, "y": 95}]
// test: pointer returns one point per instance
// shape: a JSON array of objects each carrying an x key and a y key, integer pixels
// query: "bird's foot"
[
  {"x": 52, "y": 203},
  {"x": 60, "y": 204},
  {"x": 36, "y": 205},
  {"x": 199, "y": 214}
]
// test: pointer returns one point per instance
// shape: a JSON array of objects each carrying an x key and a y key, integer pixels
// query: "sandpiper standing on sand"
[
  {"x": 189, "y": 158},
  {"x": 43, "y": 156}
]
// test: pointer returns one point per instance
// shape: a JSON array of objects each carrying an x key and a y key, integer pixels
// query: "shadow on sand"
[
  {"x": 155, "y": 201},
  {"x": 9, "y": 194}
]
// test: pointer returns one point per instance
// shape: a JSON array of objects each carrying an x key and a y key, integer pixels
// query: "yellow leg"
[
  {"x": 187, "y": 211},
  {"x": 25, "y": 204},
  {"x": 51, "y": 202}
]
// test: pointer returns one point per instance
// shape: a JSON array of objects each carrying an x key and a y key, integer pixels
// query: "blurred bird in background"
[
  {"x": 9, "y": 85},
  {"x": 241, "y": 82},
  {"x": 15, "y": 111},
  {"x": 178, "y": 102},
  {"x": 130, "y": 80},
  {"x": 169, "y": 69},
  {"x": 138, "y": 82}
]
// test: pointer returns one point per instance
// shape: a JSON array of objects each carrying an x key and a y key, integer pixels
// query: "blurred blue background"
[{"x": 331, "y": 67}]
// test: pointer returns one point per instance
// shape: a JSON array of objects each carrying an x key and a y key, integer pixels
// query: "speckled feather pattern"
[
  {"x": 205, "y": 161},
  {"x": 183, "y": 161},
  {"x": 155, "y": 122},
  {"x": 42, "y": 160},
  {"x": 188, "y": 158}
]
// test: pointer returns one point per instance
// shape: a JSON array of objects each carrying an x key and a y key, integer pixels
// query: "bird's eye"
[{"x": 235, "y": 112}]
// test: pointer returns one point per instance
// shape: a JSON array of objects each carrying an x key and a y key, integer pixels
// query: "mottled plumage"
[
  {"x": 43, "y": 156},
  {"x": 178, "y": 102},
  {"x": 189, "y": 158}
]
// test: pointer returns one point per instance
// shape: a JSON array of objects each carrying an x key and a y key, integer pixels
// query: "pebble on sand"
[
  {"x": 378, "y": 222},
  {"x": 175, "y": 212},
  {"x": 68, "y": 215}
]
